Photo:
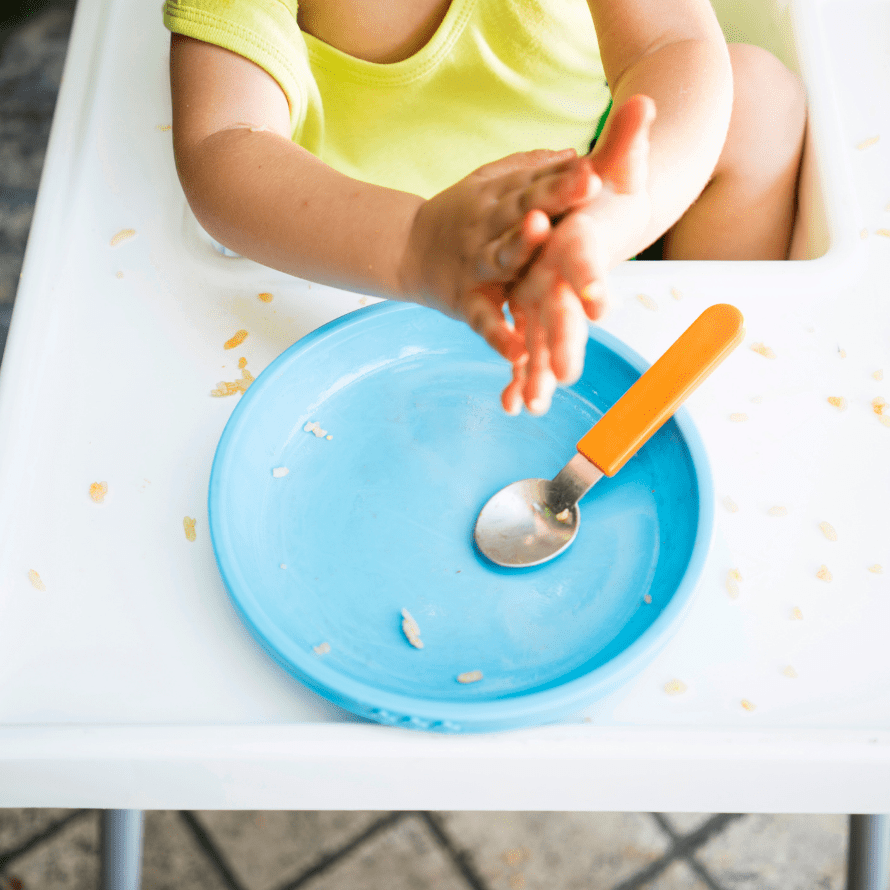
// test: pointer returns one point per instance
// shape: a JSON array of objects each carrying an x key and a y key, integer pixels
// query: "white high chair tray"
[{"x": 130, "y": 682}]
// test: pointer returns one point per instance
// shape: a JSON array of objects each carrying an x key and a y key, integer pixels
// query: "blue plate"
[{"x": 379, "y": 518}]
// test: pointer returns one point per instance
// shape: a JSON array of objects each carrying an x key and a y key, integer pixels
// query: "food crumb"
[
  {"x": 876, "y": 569},
  {"x": 164, "y": 127},
  {"x": 839, "y": 402},
  {"x": 778, "y": 511},
  {"x": 733, "y": 576},
  {"x": 756, "y": 399},
  {"x": 36, "y": 583},
  {"x": 747, "y": 705},
  {"x": 763, "y": 350},
  {"x": 121, "y": 236},
  {"x": 878, "y": 405},
  {"x": 363, "y": 301},
  {"x": 675, "y": 687},
  {"x": 790, "y": 672},
  {"x": 563, "y": 515},
  {"x": 98, "y": 490},
  {"x": 469, "y": 677},
  {"x": 879, "y": 374},
  {"x": 313, "y": 426},
  {"x": 730, "y": 504},
  {"x": 242, "y": 363},
  {"x": 329, "y": 437},
  {"x": 796, "y": 614},
  {"x": 828, "y": 531},
  {"x": 885, "y": 419},
  {"x": 279, "y": 472},
  {"x": 647, "y": 599},
  {"x": 648, "y": 302},
  {"x": 189, "y": 525},
  {"x": 676, "y": 293},
  {"x": 411, "y": 630},
  {"x": 229, "y": 388},
  {"x": 283, "y": 565},
  {"x": 266, "y": 298},
  {"x": 516, "y": 856},
  {"x": 841, "y": 353},
  {"x": 517, "y": 882},
  {"x": 884, "y": 233},
  {"x": 823, "y": 574},
  {"x": 322, "y": 648},
  {"x": 863, "y": 234},
  {"x": 868, "y": 143},
  {"x": 119, "y": 274},
  {"x": 235, "y": 340},
  {"x": 738, "y": 417}
]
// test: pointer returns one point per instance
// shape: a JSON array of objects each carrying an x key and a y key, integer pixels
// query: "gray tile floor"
[{"x": 59, "y": 849}]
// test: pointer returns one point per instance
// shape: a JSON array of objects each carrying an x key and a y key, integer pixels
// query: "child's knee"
[{"x": 769, "y": 108}]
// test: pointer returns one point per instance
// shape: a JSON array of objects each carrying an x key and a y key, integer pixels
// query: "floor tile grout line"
[
  {"x": 213, "y": 853},
  {"x": 683, "y": 848},
  {"x": 690, "y": 859},
  {"x": 11, "y": 855},
  {"x": 323, "y": 864},
  {"x": 460, "y": 858}
]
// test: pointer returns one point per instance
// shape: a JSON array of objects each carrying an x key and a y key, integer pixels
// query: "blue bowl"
[{"x": 377, "y": 516}]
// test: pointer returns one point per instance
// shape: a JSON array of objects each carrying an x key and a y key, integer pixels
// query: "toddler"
[{"x": 436, "y": 151}]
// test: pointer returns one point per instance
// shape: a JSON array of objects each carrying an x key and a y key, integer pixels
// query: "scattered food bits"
[
  {"x": 647, "y": 599},
  {"x": 229, "y": 388},
  {"x": 747, "y": 705},
  {"x": 676, "y": 294},
  {"x": 756, "y": 399},
  {"x": 778, "y": 511},
  {"x": 564, "y": 515},
  {"x": 841, "y": 353},
  {"x": 516, "y": 857},
  {"x": 765, "y": 351},
  {"x": 796, "y": 614},
  {"x": 36, "y": 583},
  {"x": 732, "y": 582},
  {"x": 313, "y": 426},
  {"x": 828, "y": 531},
  {"x": 823, "y": 574},
  {"x": 878, "y": 405},
  {"x": 469, "y": 677},
  {"x": 876, "y": 569},
  {"x": 118, "y": 274},
  {"x": 121, "y": 236},
  {"x": 189, "y": 525},
  {"x": 329, "y": 437},
  {"x": 884, "y": 233},
  {"x": 362, "y": 301},
  {"x": 242, "y": 363},
  {"x": 730, "y": 504},
  {"x": 98, "y": 490},
  {"x": 878, "y": 375},
  {"x": 839, "y": 402},
  {"x": 647, "y": 302},
  {"x": 885, "y": 419},
  {"x": 735, "y": 574},
  {"x": 868, "y": 143},
  {"x": 322, "y": 648},
  {"x": 266, "y": 298},
  {"x": 164, "y": 127},
  {"x": 675, "y": 687},
  {"x": 283, "y": 565},
  {"x": 411, "y": 630},
  {"x": 790, "y": 672},
  {"x": 738, "y": 417},
  {"x": 517, "y": 882},
  {"x": 279, "y": 472},
  {"x": 863, "y": 234},
  {"x": 236, "y": 339}
]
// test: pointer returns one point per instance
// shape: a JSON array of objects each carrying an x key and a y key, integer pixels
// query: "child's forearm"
[
  {"x": 691, "y": 84},
  {"x": 270, "y": 200}
]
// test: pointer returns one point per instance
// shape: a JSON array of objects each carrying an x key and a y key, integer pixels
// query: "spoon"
[{"x": 533, "y": 520}]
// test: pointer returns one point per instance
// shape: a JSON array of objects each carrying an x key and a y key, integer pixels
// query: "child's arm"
[
  {"x": 653, "y": 167},
  {"x": 263, "y": 196}
]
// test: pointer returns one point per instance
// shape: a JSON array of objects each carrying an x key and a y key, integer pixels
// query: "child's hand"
[
  {"x": 566, "y": 285},
  {"x": 468, "y": 243}
]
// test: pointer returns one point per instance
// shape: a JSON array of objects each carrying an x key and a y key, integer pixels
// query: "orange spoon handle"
[{"x": 651, "y": 401}]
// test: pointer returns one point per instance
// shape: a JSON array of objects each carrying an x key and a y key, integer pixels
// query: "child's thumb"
[{"x": 621, "y": 156}]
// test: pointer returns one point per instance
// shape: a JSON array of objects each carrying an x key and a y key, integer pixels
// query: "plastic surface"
[
  {"x": 379, "y": 518},
  {"x": 663, "y": 388}
]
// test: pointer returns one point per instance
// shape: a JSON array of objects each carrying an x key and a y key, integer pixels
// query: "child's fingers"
[
  {"x": 523, "y": 160},
  {"x": 579, "y": 258},
  {"x": 540, "y": 382},
  {"x": 565, "y": 324},
  {"x": 511, "y": 397},
  {"x": 502, "y": 259},
  {"x": 622, "y": 156},
  {"x": 485, "y": 316}
]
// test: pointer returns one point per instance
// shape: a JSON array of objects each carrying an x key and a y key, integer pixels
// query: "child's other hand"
[
  {"x": 468, "y": 243},
  {"x": 566, "y": 285}
]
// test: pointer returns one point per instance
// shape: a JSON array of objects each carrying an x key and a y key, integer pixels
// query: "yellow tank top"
[{"x": 498, "y": 76}]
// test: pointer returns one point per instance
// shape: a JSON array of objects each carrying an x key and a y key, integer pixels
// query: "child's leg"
[{"x": 746, "y": 212}]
